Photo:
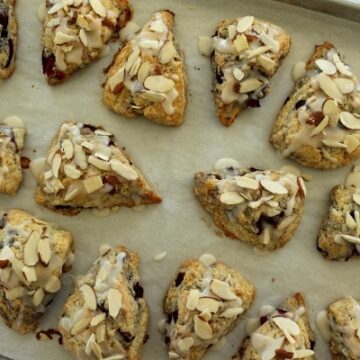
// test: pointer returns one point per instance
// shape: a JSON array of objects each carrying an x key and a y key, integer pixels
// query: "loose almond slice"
[
  {"x": 99, "y": 318},
  {"x": 38, "y": 297},
  {"x": 288, "y": 327},
  {"x": 349, "y": 120},
  {"x": 258, "y": 51},
  {"x": 247, "y": 182},
  {"x": 126, "y": 171},
  {"x": 352, "y": 143},
  {"x": 185, "y": 344},
  {"x": 144, "y": 71},
  {"x": 93, "y": 183},
  {"x": 206, "y": 45},
  {"x": 232, "y": 31},
  {"x": 167, "y": 53},
  {"x": 159, "y": 83},
  {"x": 44, "y": 251},
  {"x": 222, "y": 290},
  {"x": 241, "y": 43},
  {"x": 53, "y": 285},
  {"x": 342, "y": 68},
  {"x": 351, "y": 239},
  {"x": 68, "y": 149},
  {"x": 250, "y": 85},
  {"x": 115, "y": 302},
  {"x": 100, "y": 164},
  {"x": 334, "y": 144},
  {"x": 89, "y": 296},
  {"x": 208, "y": 304},
  {"x": 346, "y": 86},
  {"x": 98, "y": 7},
  {"x": 30, "y": 274},
  {"x": 271, "y": 42},
  {"x": 31, "y": 256},
  {"x": 202, "y": 328},
  {"x": 238, "y": 74},
  {"x": 329, "y": 87},
  {"x": 331, "y": 109},
  {"x": 80, "y": 326},
  {"x": 299, "y": 70},
  {"x": 56, "y": 165},
  {"x": 273, "y": 187},
  {"x": 231, "y": 198},
  {"x": 326, "y": 66},
  {"x": 72, "y": 172},
  {"x": 232, "y": 312},
  {"x": 267, "y": 63},
  {"x": 153, "y": 96},
  {"x": 116, "y": 79},
  {"x": 192, "y": 299},
  {"x": 244, "y": 23},
  {"x": 318, "y": 129}
]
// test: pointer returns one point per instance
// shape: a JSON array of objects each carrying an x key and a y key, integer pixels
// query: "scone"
[
  {"x": 33, "y": 256},
  {"x": 8, "y": 38},
  {"x": 203, "y": 304},
  {"x": 12, "y": 133},
  {"x": 284, "y": 333},
  {"x": 319, "y": 124},
  {"x": 343, "y": 329},
  {"x": 339, "y": 237},
  {"x": 147, "y": 76},
  {"x": 246, "y": 53},
  {"x": 75, "y": 33},
  {"x": 260, "y": 207},
  {"x": 106, "y": 317},
  {"x": 85, "y": 168}
]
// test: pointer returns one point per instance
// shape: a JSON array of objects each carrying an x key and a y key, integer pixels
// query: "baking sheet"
[{"x": 169, "y": 157}]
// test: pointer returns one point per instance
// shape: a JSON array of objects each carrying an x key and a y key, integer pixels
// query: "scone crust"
[
  {"x": 131, "y": 105},
  {"x": 287, "y": 126}
]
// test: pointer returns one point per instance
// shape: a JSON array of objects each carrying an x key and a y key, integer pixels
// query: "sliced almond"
[
  {"x": 96, "y": 349},
  {"x": 222, "y": 290},
  {"x": 273, "y": 187},
  {"x": 55, "y": 8},
  {"x": 208, "y": 304},
  {"x": 356, "y": 198},
  {"x": 329, "y": 87},
  {"x": 326, "y": 66},
  {"x": 303, "y": 354},
  {"x": 127, "y": 31},
  {"x": 241, "y": 43},
  {"x": 350, "y": 222},
  {"x": 80, "y": 326},
  {"x": 101, "y": 334},
  {"x": 14, "y": 293},
  {"x": 88, "y": 349},
  {"x": 38, "y": 297},
  {"x": 89, "y": 296},
  {"x": 331, "y": 109},
  {"x": 56, "y": 165},
  {"x": 351, "y": 239},
  {"x": 266, "y": 236},
  {"x": 232, "y": 313},
  {"x": 53, "y": 285},
  {"x": 132, "y": 59},
  {"x": 116, "y": 79},
  {"x": 352, "y": 143},
  {"x": 83, "y": 22},
  {"x": 342, "y": 68},
  {"x": 346, "y": 86},
  {"x": 286, "y": 222},
  {"x": 44, "y": 251},
  {"x": 231, "y": 198},
  {"x": 334, "y": 144},
  {"x": 30, "y": 274},
  {"x": 208, "y": 259},
  {"x": 115, "y": 302},
  {"x": 238, "y": 74},
  {"x": 244, "y": 23},
  {"x": 270, "y": 41},
  {"x": 298, "y": 71},
  {"x": 96, "y": 320},
  {"x": 72, "y": 172},
  {"x": 93, "y": 183},
  {"x": 267, "y": 63},
  {"x": 250, "y": 85},
  {"x": 288, "y": 327},
  {"x": 144, "y": 71},
  {"x": 31, "y": 257},
  {"x": 135, "y": 68},
  {"x": 206, "y": 45},
  {"x": 247, "y": 182},
  {"x": 318, "y": 129},
  {"x": 349, "y": 120},
  {"x": 167, "y": 53},
  {"x": 67, "y": 149},
  {"x": 232, "y": 31},
  {"x": 80, "y": 157},
  {"x": 202, "y": 328},
  {"x": 126, "y": 171},
  {"x": 158, "y": 26},
  {"x": 258, "y": 51},
  {"x": 100, "y": 164},
  {"x": 192, "y": 299},
  {"x": 62, "y": 38},
  {"x": 185, "y": 344},
  {"x": 153, "y": 96},
  {"x": 159, "y": 83},
  {"x": 173, "y": 355},
  {"x": 98, "y": 7}
]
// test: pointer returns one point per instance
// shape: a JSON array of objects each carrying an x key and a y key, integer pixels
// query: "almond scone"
[
  {"x": 85, "y": 168},
  {"x": 260, "y": 207},
  {"x": 282, "y": 333},
  {"x": 339, "y": 236},
  {"x": 107, "y": 317},
  {"x": 340, "y": 326},
  {"x": 8, "y": 38},
  {"x": 147, "y": 76},
  {"x": 319, "y": 125},
  {"x": 33, "y": 256},
  {"x": 246, "y": 53},
  {"x": 75, "y": 33},
  {"x": 12, "y": 133},
  {"x": 203, "y": 304}
]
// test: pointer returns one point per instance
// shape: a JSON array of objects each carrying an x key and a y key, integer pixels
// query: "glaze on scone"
[
  {"x": 85, "y": 168},
  {"x": 147, "y": 76},
  {"x": 339, "y": 237},
  {"x": 282, "y": 333},
  {"x": 260, "y": 207},
  {"x": 76, "y": 32},
  {"x": 246, "y": 53},
  {"x": 203, "y": 304},
  {"x": 12, "y": 133},
  {"x": 8, "y": 38},
  {"x": 107, "y": 317},
  {"x": 319, "y": 125},
  {"x": 33, "y": 256}
]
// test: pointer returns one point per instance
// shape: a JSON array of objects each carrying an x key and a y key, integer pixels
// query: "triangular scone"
[
  {"x": 204, "y": 303},
  {"x": 8, "y": 38},
  {"x": 339, "y": 237},
  {"x": 342, "y": 329},
  {"x": 76, "y": 31},
  {"x": 284, "y": 333},
  {"x": 12, "y": 133},
  {"x": 319, "y": 125},
  {"x": 147, "y": 76},
  {"x": 85, "y": 168},
  {"x": 247, "y": 53},
  {"x": 260, "y": 207},
  {"x": 107, "y": 317}
]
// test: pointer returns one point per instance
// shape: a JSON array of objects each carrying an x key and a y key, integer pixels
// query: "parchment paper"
[{"x": 169, "y": 157}]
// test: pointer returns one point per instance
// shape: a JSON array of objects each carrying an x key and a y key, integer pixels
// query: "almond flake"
[
  {"x": 53, "y": 285},
  {"x": 318, "y": 129},
  {"x": 326, "y": 66},
  {"x": 144, "y": 71},
  {"x": 241, "y": 43},
  {"x": 206, "y": 45},
  {"x": 115, "y": 302},
  {"x": 288, "y": 327},
  {"x": 350, "y": 222},
  {"x": 93, "y": 183},
  {"x": 334, "y": 144},
  {"x": 250, "y": 85},
  {"x": 96, "y": 320},
  {"x": 192, "y": 299},
  {"x": 14, "y": 293},
  {"x": 31, "y": 256},
  {"x": 238, "y": 74},
  {"x": 167, "y": 53},
  {"x": 329, "y": 87},
  {"x": 88, "y": 349},
  {"x": 80, "y": 157},
  {"x": 232, "y": 312},
  {"x": 159, "y": 83},
  {"x": 273, "y": 187},
  {"x": 56, "y": 165},
  {"x": 231, "y": 198},
  {"x": 286, "y": 222},
  {"x": 349, "y": 120},
  {"x": 247, "y": 182},
  {"x": 244, "y": 23},
  {"x": 271, "y": 42},
  {"x": 205, "y": 315},
  {"x": 351, "y": 239},
  {"x": 98, "y": 7},
  {"x": 356, "y": 198},
  {"x": 89, "y": 296},
  {"x": 202, "y": 328},
  {"x": 44, "y": 251},
  {"x": 38, "y": 297},
  {"x": 160, "y": 256},
  {"x": 132, "y": 59},
  {"x": 158, "y": 26},
  {"x": 116, "y": 79},
  {"x": 208, "y": 259},
  {"x": 67, "y": 149},
  {"x": 298, "y": 70},
  {"x": 101, "y": 334},
  {"x": 352, "y": 143},
  {"x": 96, "y": 350},
  {"x": 208, "y": 304},
  {"x": 267, "y": 63},
  {"x": 266, "y": 236},
  {"x": 62, "y": 38},
  {"x": 153, "y": 96},
  {"x": 72, "y": 172},
  {"x": 222, "y": 290},
  {"x": 124, "y": 170},
  {"x": 346, "y": 86},
  {"x": 173, "y": 355},
  {"x": 232, "y": 31},
  {"x": 226, "y": 163},
  {"x": 331, "y": 109},
  {"x": 80, "y": 326},
  {"x": 83, "y": 22},
  {"x": 303, "y": 353},
  {"x": 258, "y": 51},
  {"x": 342, "y": 68},
  {"x": 135, "y": 68},
  {"x": 71, "y": 193},
  {"x": 100, "y": 164},
  {"x": 30, "y": 274},
  {"x": 185, "y": 344},
  {"x": 54, "y": 9}
]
